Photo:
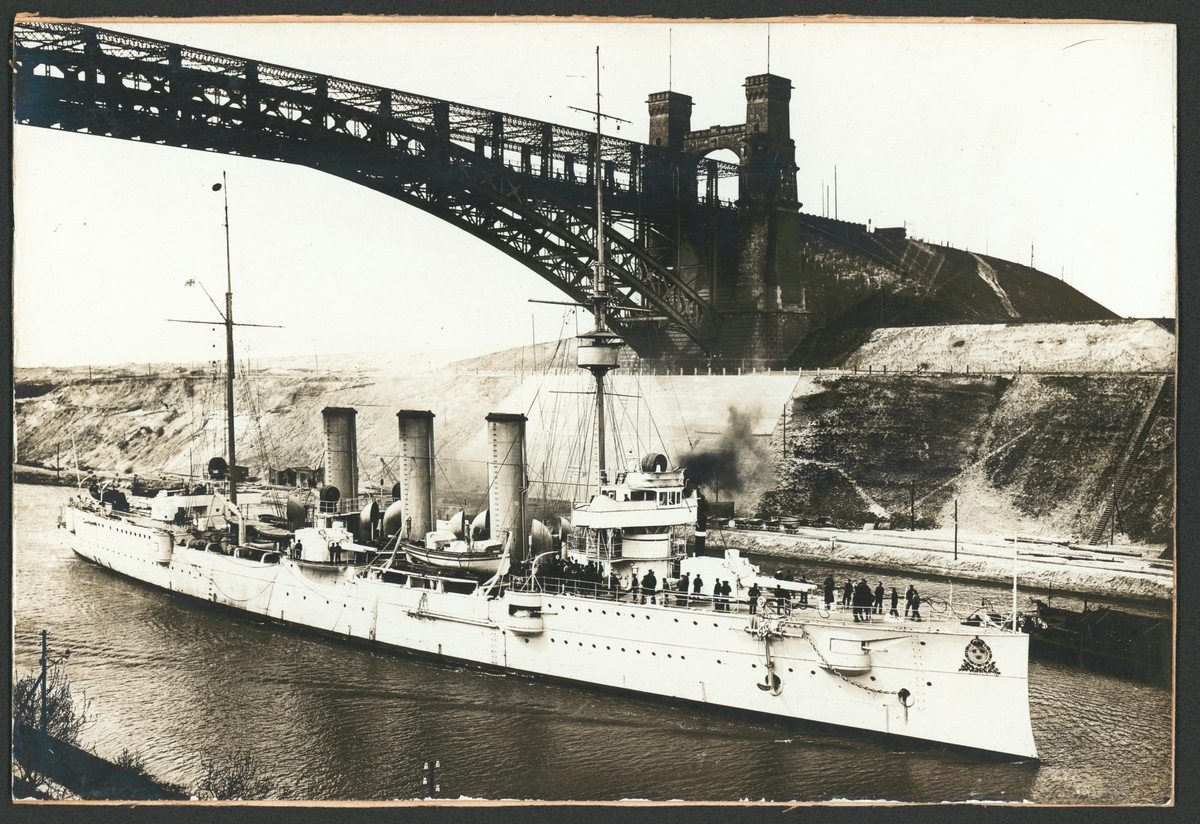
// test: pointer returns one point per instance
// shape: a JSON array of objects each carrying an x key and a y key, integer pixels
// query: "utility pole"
[
  {"x": 783, "y": 450},
  {"x": 835, "y": 200},
  {"x": 45, "y": 728},
  {"x": 956, "y": 529},
  {"x": 912, "y": 506},
  {"x": 1062, "y": 287}
]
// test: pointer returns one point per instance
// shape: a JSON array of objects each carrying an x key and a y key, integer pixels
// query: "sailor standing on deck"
[
  {"x": 908, "y": 599},
  {"x": 829, "y": 587},
  {"x": 753, "y": 594},
  {"x": 895, "y": 601},
  {"x": 697, "y": 588},
  {"x": 649, "y": 587},
  {"x": 848, "y": 594},
  {"x": 878, "y": 606}
]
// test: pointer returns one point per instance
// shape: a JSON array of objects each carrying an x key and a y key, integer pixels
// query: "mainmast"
[
  {"x": 229, "y": 352},
  {"x": 598, "y": 349}
]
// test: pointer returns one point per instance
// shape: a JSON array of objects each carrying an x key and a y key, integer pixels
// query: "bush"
[
  {"x": 239, "y": 778},
  {"x": 132, "y": 761}
]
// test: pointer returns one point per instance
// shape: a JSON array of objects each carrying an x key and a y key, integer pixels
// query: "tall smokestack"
[
  {"x": 506, "y": 480},
  {"x": 416, "y": 471},
  {"x": 341, "y": 452}
]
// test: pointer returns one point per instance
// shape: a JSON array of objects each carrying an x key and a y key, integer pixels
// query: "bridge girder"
[{"x": 471, "y": 167}]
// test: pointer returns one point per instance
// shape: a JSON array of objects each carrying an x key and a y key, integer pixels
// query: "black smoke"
[{"x": 737, "y": 456}]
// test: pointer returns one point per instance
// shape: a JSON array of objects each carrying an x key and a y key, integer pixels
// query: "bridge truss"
[{"x": 524, "y": 186}]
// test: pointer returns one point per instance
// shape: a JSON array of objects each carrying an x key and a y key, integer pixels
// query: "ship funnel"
[
  {"x": 416, "y": 471},
  {"x": 506, "y": 480},
  {"x": 341, "y": 452}
]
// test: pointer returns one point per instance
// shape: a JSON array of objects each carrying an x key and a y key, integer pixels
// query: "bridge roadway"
[{"x": 524, "y": 186}]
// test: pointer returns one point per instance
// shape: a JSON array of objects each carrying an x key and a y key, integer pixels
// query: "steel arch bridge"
[{"x": 524, "y": 186}]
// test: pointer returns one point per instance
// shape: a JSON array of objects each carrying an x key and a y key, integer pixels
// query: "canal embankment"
[{"x": 1126, "y": 572}]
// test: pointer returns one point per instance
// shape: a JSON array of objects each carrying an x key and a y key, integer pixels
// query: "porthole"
[
  {"x": 622, "y": 649},
  {"x": 754, "y": 666},
  {"x": 718, "y": 660},
  {"x": 929, "y": 683},
  {"x": 922, "y": 643},
  {"x": 789, "y": 669},
  {"x": 638, "y": 651},
  {"x": 814, "y": 672},
  {"x": 654, "y": 653},
  {"x": 872, "y": 677}
]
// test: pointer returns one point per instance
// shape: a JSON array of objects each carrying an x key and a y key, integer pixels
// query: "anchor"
[{"x": 772, "y": 683}]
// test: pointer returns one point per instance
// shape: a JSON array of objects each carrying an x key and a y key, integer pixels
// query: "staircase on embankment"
[{"x": 1165, "y": 386}]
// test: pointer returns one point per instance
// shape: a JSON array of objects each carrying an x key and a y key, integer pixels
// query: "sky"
[{"x": 990, "y": 137}]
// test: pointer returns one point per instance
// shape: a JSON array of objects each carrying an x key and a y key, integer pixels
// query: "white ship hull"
[{"x": 699, "y": 655}]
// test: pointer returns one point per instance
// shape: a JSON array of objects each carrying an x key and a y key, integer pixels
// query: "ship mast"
[
  {"x": 229, "y": 351},
  {"x": 598, "y": 349}
]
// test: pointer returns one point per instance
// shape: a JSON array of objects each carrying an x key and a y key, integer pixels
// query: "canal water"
[{"x": 182, "y": 683}]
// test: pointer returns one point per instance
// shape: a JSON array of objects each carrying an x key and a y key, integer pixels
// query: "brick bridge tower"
[{"x": 760, "y": 293}]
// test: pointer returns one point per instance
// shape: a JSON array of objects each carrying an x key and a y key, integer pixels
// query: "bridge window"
[
  {"x": 214, "y": 95},
  {"x": 287, "y": 109},
  {"x": 138, "y": 82},
  {"x": 43, "y": 70}
]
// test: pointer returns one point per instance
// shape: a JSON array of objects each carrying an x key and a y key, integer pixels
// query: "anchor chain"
[{"x": 834, "y": 670}]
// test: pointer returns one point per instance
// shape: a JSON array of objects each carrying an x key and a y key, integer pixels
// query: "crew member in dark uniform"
[
  {"x": 908, "y": 599},
  {"x": 916, "y": 606},
  {"x": 848, "y": 594},
  {"x": 879, "y": 599},
  {"x": 649, "y": 587},
  {"x": 753, "y": 594},
  {"x": 829, "y": 587},
  {"x": 895, "y": 601}
]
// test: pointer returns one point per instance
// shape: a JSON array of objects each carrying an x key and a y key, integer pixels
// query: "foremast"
[{"x": 598, "y": 349}]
